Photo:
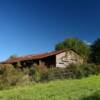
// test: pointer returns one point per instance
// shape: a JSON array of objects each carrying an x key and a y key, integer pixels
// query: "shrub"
[
  {"x": 9, "y": 76},
  {"x": 56, "y": 73},
  {"x": 39, "y": 72},
  {"x": 84, "y": 70},
  {"x": 2, "y": 69},
  {"x": 73, "y": 71}
]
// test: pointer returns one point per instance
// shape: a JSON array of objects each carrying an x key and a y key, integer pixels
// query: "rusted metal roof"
[{"x": 32, "y": 57}]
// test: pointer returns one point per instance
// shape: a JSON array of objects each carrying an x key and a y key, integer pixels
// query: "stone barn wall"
[{"x": 65, "y": 58}]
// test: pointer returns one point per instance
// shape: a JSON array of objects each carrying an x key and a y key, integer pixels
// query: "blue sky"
[{"x": 35, "y": 26}]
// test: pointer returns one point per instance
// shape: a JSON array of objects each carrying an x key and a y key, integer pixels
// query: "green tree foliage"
[
  {"x": 76, "y": 44},
  {"x": 12, "y": 56},
  {"x": 95, "y": 52}
]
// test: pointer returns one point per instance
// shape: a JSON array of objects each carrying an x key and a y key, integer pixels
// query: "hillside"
[{"x": 83, "y": 89}]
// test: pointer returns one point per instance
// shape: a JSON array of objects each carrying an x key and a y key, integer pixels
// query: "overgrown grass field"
[{"x": 83, "y": 89}]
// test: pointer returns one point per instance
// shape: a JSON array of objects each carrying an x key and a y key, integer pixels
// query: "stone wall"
[{"x": 68, "y": 57}]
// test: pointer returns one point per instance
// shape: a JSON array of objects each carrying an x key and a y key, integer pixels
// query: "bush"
[
  {"x": 84, "y": 70},
  {"x": 39, "y": 72},
  {"x": 73, "y": 71},
  {"x": 9, "y": 76},
  {"x": 56, "y": 73}
]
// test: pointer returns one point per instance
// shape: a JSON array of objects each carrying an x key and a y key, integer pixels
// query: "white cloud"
[{"x": 88, "y": 43}]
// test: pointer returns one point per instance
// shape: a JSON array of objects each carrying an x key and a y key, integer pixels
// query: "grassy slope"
[{"x": 57, "y": 90}]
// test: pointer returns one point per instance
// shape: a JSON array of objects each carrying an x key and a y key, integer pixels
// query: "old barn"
[{"x": 60, "y": 58}]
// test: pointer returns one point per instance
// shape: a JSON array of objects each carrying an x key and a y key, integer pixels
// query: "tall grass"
[{"x": 77, "y": 89}]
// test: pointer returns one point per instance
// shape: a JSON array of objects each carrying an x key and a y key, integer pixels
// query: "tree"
[
  {"x": 59, "y": 46},
  {"x": 95, "y": 52},
  {"x": 12, "y": 57},
  {"x": 76, "y": 44}
]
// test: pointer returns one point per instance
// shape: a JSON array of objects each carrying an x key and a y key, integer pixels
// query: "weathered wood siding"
[{"x": 65, "y": 58}]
